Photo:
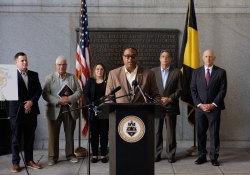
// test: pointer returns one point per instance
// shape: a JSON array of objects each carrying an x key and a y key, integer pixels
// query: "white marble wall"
[{"x": 44, "y": 29}]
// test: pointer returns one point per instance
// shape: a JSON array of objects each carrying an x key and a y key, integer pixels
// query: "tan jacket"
[
  {"x": 144, "y": 77},
  {"x": 50, "y": 90}
]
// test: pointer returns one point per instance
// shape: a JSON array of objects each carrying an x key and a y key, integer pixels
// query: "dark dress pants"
[
  {"x": 99, "y": 129},
  {"x": 211, "y": 121},
  {"x": 28, "y": 131}
]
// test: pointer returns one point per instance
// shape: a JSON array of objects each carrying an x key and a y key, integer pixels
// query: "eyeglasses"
[{"x": 130, "y": 56}]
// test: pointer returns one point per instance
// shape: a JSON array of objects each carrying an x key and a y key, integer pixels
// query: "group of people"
[
  {"x": 208, "y": 89},
  {"x": 23, "y": 112}
]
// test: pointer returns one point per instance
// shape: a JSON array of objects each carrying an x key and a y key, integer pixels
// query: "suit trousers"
[
  {"x": 99, "y": 129},
  {"x": 54, "y": 130},
  {"x": 170, "y": 122},
  {"x": 28, "y": 131},
  {"x": 211, "y": 121}
]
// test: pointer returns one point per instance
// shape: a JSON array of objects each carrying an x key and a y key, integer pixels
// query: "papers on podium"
[{"x": 65, "y": 91}]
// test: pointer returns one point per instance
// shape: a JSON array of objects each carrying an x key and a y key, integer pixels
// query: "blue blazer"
[{"x": 33, "y": 93}]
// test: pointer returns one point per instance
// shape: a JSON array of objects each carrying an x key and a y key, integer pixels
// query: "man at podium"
[
  {"x": 131, "y": 117},
  {"x": 131, "y": 72}
]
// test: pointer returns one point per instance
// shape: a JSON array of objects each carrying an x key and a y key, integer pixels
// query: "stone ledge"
[
  {"x": 180, "y": 144},
  {"x": 140, "y": 7}
]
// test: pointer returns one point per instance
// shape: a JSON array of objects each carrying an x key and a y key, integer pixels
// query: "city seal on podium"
[{"x": 131, "y": 129}]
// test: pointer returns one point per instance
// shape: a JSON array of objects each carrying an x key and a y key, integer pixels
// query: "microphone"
[
  {"x": 134, "y": 84},
  {"x": 112, "y": 92},
  {"x": 150, "y": 98},
  {"x": 145, "y": 99}
]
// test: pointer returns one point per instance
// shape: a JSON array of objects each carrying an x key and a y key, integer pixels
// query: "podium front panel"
[{"x": 131, "y": 157}]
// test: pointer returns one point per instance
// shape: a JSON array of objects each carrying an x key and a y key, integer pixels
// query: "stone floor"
[{"x": 232, "y": 162}]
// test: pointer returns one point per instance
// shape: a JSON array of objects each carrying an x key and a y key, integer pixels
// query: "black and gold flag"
[{"x": 189, "y": 58}]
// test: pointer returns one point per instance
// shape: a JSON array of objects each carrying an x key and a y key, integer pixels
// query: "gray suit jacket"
[
  {"x": 144, "y": 77},
  {"x": 50, "y": 90},
  {"x": 172, "y": 89}
]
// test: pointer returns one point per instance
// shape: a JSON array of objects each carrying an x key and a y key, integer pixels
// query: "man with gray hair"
[
  {"x": 61, "y": 91},
  {"x": 168, "y": 81}
]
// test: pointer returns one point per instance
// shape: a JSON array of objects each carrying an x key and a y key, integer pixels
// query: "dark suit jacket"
[
  {"x": 33, "y": 93},
  {"x": 216, "y": 90},
  {"x": 144, "y": 77},
  {"x": 172, "y": 89}
]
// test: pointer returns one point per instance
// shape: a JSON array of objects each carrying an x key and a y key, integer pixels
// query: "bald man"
[{"x": 208, "y": 89}]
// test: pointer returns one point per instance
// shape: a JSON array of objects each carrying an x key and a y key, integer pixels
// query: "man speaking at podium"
[{"x": 125, "y": 75}]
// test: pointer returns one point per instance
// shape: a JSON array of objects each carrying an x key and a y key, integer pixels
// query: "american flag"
[{"x": 83, "y": 58}]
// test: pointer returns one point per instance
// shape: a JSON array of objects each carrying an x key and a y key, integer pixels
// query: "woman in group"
[{"x": 93, "y": 91}]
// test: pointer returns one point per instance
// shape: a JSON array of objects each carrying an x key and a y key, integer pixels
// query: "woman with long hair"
[{"x": 93, "y": 91}]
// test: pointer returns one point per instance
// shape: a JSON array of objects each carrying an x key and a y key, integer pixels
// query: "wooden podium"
[{"x": 131, "y": 136}]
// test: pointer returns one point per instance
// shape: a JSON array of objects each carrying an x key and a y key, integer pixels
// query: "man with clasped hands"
[
  {"x": 56, "y": 105},
  {"x": 168, "y": 81},
  {"x": 23, "y": 112},
  {"x": 208, "y": 88}
]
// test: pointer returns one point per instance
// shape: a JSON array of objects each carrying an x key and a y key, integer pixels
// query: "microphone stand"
[
  {"x": 90, "y": 107},
  {"x": 14, "y": 135},
  {"x": 114, "y": 98},
  {"x": 88, "y": 147},
  {"x": 152, "y": 100},
  {"x": 143, "y": 94}
]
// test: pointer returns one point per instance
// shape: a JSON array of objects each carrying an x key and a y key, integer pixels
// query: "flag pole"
[
  {"x": 80, "y": 151},
  {"x": 189, "y": 60},
  {"x": 193, "y": 150}
]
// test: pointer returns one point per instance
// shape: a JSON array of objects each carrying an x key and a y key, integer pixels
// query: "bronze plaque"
[{"x": 107, "y": 45}]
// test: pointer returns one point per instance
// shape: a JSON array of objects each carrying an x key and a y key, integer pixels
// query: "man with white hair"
[{"x": 54, "y": 83}]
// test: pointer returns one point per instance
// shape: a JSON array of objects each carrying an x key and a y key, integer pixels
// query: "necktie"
[
  {"x": 207, "y": 76},
  {"x": 25, "y": 78}
]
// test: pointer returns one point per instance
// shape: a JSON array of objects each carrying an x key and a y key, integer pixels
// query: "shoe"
[
  {"x": 15, "y": 168},
  {"x": 51, "y": 162},
  {"x": 158, "y": 158},
  {"x": 104, "y": 160},
  {"x": 94, "y": 160},
  {"x": 215, "y": 162},
  {"x": 171, "y": 160},
  {"x": 74, "y": 160},
  {"x": 34, "y": 165},
  {"x": 200, "y": 160}
]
